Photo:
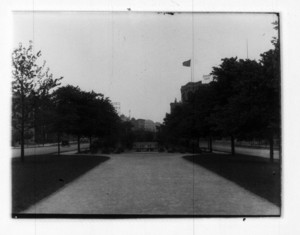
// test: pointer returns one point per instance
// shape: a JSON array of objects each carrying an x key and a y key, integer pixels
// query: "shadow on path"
[
  {"x": 252, "y": 173},
  {"x": 42, "y": 175}
]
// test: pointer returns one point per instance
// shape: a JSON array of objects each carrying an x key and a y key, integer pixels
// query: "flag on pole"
[{"x": 187, "y": 63}]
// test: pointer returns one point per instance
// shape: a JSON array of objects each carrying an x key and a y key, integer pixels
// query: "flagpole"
[
  {"x": 193, "y": 59},
  {"x": 191, "y": 71},
  {"x": 247, "y": 48},
  {"x": 188, "y": 63}
]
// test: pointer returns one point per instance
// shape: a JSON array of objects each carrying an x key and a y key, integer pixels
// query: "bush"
[
  {"x": 65, "y": 143},
  {"x": 197, "y": 150},
  {"x": 182, "y": 150},
  {"x": 194, "y": 150},
  {"x": 119, "y": 150},
  {"x": 106, "y": 151},
  {"x": 94, "y": 148}
]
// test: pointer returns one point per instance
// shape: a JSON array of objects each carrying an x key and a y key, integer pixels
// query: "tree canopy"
[
  {"x": 31, "y": 86},
  {"x": 84, "y": 114},
  {"x": 242, "y": 101}
]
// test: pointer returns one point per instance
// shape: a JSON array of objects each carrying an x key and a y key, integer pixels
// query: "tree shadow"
[
  {"x": 42, "y": 175},
  {"x": 255, "y": 174}
]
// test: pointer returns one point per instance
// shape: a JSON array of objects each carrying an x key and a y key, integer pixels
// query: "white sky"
[{"x": 136, "y": 58}]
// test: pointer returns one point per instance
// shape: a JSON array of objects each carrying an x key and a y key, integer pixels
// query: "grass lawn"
[
  {"x": 42, "y": 175},
  {"x": 255, "y": 174}
]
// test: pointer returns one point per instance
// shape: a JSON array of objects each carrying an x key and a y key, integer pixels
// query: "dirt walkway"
[{"x": 160, "y": 183}]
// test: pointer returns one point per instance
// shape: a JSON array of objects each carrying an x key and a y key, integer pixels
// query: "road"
[
  {"x": 16, "y": 152},
  {"x": 153, "y": 184},
  {"x": 225, "y": 147},
  {"x": 265, "y": 153}
]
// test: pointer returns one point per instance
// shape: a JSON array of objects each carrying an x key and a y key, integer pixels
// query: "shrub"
[
  {"x": 106, "y": 151},
  {"x": 119, "y": 150}
]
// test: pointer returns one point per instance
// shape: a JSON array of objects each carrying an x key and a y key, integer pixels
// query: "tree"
[
  {"x": 270, "y": 61},
  {"x": 97, "y": 117},
  {"x": 245, "y": 107},
  {"x": 127, "y": 135},
  {"x": 223, "y": 115},
  {"x": 248, "y": 103},
  {"x": 178, "y": 128},
  {"x": 242, "y": 102},
  {"x": 30, "y": 82},
  {"x": 66, "y": 116},
  {"x": 85, "y": 114},
  {"x": 204, "y": 100}
]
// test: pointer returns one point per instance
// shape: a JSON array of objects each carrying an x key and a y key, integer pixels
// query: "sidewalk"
[
  {"x": 40, "y": 145},
  {"x": 16, "y": 152},
  {"x": 35, "y": 146}
]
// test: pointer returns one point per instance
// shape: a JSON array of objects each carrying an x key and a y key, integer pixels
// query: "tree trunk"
[
  {"x": 198, "y": 144},
  {"x": 210, "y": 144},
  {"x": 90, "y": 142},
  {"x": 271, "y": 149},
  {"x": 78, "y": 143},
  {"x": 22, "y": 121},
  {"x": 232, "y": 145},
  {"x": 58, "y": 144},
  {"x": 187, "y": 145},
  {"x": 44, "y": 137}
]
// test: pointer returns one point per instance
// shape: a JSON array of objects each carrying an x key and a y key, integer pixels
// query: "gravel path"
[{"x": 149, "y": 183}]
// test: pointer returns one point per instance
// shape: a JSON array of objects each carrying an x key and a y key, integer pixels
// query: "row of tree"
[
  {"x": 242, "y": 102},
  {"x": 39, "y": 105}
]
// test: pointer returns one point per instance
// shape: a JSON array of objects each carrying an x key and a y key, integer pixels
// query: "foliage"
[
  {"x": 239, "y": 109},
  {"x": 31, "y": 87},
  {"x": 30, "y": 80},
  {"x": 127, "y": 135},
  {"x": 242, "y": 101},
  {"x": 86, "y": 114}
]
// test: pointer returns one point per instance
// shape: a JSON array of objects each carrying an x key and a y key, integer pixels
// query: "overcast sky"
[{"x": 136, "y": 58}]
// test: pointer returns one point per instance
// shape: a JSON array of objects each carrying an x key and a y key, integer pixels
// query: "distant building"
[
  {"x": 157, "y": 124},
  {"x": 139, "y": 124},
  {"x": 142, "y": 124},
  {"x": 207, "y": 79},
  {"x": 174, "y": 105},
  {"x": 145, "y": 146},
  {"x": 124, "y": 118},
  {"x": 150, "y": 126},
  {"x": 117, "y": 106},
  {"x": 188, "y": 89}
]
